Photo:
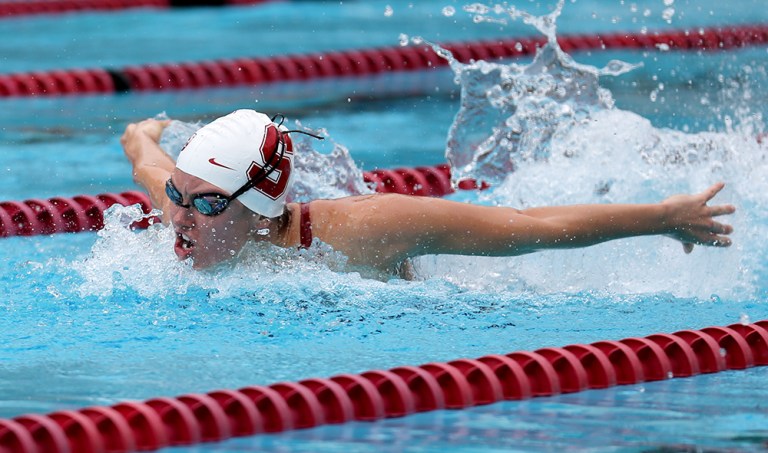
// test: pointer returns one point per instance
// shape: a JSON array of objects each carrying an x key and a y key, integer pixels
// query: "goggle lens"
[
  {"x": 173, "y": 194},
  {"x": 210, "y": 204},
  {"x": 206, "y": 204}
]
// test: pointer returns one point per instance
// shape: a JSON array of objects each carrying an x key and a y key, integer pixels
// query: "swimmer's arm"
[
  {"x": 457, "y": 228},
  {"x": 151, "y": 165}
]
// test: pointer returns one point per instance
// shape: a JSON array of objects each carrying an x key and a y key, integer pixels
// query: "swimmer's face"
[{"x": 208, "y": 240}]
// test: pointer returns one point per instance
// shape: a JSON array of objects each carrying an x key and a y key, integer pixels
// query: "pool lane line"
[
  {"x": 363, "y": 62},
  {"x": 66, "y": 214},
  {"x": 86, "y": 212},
  {"x": 374, "y": 395},
  {"x": 36, "y": 7}
]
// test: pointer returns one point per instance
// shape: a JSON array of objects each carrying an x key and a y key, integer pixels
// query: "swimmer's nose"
[{"x": 182, "y": 216}]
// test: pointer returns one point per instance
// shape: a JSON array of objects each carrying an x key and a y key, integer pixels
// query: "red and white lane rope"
[
  {"x": 35, "y": 7},
  {"x": 86, "y": 212},
  {"x": 373, "y": 395},
  {"x": 365, "y": 62}
]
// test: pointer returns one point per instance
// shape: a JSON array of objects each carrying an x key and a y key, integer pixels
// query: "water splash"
[
  {"x": 143, "y": 263},
  {"x": 510, "y": 114}
]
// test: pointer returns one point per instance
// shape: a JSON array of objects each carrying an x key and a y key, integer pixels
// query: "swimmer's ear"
[{"x": 687, "y": 247}]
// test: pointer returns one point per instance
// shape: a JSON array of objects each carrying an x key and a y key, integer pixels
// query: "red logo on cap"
[
  {"x": 212, "y": 160},
  {"x": 273, "y": 188}
]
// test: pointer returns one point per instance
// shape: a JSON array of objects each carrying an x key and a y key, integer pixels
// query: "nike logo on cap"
[{"x": 212, "y": 160}]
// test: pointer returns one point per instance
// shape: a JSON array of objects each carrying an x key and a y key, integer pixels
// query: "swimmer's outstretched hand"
[
  {"x": 691, "y": 221},
  {"x": 151, "y": 165},
  {"x": 136, "y": 134}
]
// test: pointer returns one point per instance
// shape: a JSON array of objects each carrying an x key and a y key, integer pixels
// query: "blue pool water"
[{"x": 99, "y": 318}]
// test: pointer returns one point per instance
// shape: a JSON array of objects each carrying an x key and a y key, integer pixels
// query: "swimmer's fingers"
[
  {"x": 712, "y": 240},
  {"x": 723, "y": 209},
  {"x": 713, "y": 235},
  {"x": 720, "y": 228},
  {"x": 151, "y": 128},
  {"x": 712, "y": 190}
]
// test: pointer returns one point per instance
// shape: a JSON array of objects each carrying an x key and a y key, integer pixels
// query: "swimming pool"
[{"x": 92, "y": 320}]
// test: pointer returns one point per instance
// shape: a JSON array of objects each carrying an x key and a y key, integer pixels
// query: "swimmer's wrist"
[{"x": 666, "y": 219}]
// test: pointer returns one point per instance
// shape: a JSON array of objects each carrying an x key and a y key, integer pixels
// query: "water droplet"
[
  {"x": 388, "y": 11},
  {"x": 744, "y": 319},
  {"x": 449, "y": 11},
  {"x": 403, "y": 38},
  {"x": 667, "y": 14},
  {"x": 263, "y": 232}
]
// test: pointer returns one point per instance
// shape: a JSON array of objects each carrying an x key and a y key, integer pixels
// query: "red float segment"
[
  {"x": 276, "y": 413},
  {"x": 682, "y": 357},
  {"x": 179, "y": 422},
  {"x": 244, "y": 418},
  {"x": 250, "y": 71},
  {"x": 706, "y": 349},
  {"x": 515, "y": 384},
  {"x": 148, "y": 428},
  {"x": 367, "y": 401},
  {"x": 570, "y": 371},
  {"x": 396, "y": 397},
  {"x": 336, "y": 404},
  {"x": 628, "y": 368},
  {"x": 738, "y": 354},
  {"x": 757, "y": 338},
  {"x": 427, "y": 392},
  {"x": 113, "y": 429},
  {"x": 461, "y": 383},
  {"x": 455, "y": 387},
  {"x": 483, "y": 384},
  {"x": 80, "y": 430},
  {"x": 599, "y": 369},
  {"x": 45, "y": 432},
  {"x": 305, "y": 407},
  {"x": 213, "y": 421},
  {"x": 15, "y": 438},
  {"x": 421, "y": 181},
  {"x": 541, "y": 374},
  {"x": 656, "y": 364}
]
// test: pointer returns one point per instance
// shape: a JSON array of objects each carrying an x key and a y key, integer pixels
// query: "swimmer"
[{"x": 230, "y": 182}]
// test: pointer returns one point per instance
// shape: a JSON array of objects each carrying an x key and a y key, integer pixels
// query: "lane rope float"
[
  {"x": 86, "y": 212},
  {"x": 373, "y": 395},
  {"x": 365, "y": 62}
]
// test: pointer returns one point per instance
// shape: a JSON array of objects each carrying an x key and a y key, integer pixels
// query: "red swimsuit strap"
[{"x": 305, "y": 232}]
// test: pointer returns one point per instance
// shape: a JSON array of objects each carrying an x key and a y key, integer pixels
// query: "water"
[{"x": 98, "y": 318}]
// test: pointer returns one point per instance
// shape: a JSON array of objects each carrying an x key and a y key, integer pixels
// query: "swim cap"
[{"x": 234, "y": 149}]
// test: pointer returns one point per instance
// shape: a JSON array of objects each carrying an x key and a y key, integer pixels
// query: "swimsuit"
[{"x": 305, "y": 231}]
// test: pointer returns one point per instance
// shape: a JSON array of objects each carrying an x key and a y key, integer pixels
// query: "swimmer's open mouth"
[{"x": 183, "y": 246}]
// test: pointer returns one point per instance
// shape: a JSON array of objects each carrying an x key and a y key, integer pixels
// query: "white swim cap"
[{"x": 236, "y": 148}]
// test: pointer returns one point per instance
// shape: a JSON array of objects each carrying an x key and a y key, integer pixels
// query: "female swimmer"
[{"x": 229, "y": 186}]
